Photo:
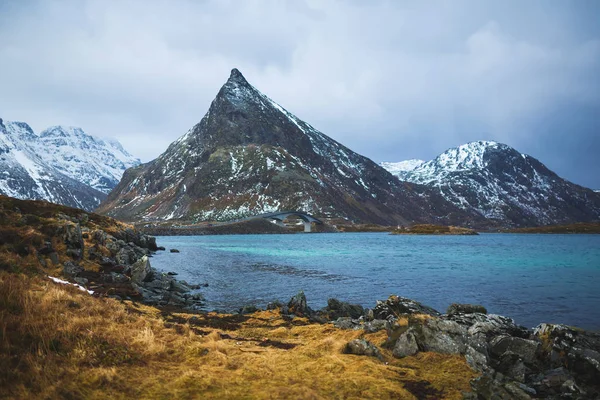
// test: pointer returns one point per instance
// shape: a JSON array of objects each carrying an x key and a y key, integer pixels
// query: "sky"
[{"x": 392, "y": 80}]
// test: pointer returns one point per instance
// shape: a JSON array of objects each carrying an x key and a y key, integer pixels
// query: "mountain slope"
[
  {"x": 25, "y": 175},
  {"x": 248, "y": 155},
  {"x": 85, "y": 158},
  {"x": 61, "y": 165},
  {"x": 502, "y": 184},
  {"x": 400, "y": 169}
]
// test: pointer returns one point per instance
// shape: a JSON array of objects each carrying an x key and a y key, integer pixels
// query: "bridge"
[{"x": 280, "y": 216}]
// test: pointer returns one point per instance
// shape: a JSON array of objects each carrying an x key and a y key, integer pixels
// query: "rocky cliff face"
[
  {"x": 60, "y": 165},
  {"x": 505, "y": 186},
  {"x": 248, "y": 155}
]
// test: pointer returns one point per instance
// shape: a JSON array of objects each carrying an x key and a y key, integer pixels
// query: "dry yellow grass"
[{"x": 58, "y": 342}]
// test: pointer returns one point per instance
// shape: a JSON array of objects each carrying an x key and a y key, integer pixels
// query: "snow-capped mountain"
[
  {"x": 400, "y": 169},
  {"x": 96, "y": 162},
  {"x": 61, "y": 165},
  {"x": 249, "y": 155},
  {"x": 503, "y": 185}
]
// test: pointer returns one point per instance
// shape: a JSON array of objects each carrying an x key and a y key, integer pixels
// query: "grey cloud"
[{"x": 391, "y": 80}]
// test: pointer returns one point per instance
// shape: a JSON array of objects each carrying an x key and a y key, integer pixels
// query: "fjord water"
[{"x": 531, "y": 278}]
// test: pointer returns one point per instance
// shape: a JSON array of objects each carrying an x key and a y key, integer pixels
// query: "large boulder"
[
  {"x": 526, "y": 349},
  {"x": 298, "y": 306},
  {"x": 396, "y": 306},
  {"x": 362, "y": 347},
  {"x": 489, "y": 325},
  {"x": 141, "y": 271},
  {"x": 72, "y": 236},
  {"x": 440, "y": 336},
  {"x": 336, "y": 309},
  {"x": 406, "y": 345}
]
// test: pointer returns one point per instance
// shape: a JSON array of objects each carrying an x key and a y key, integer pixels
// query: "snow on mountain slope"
[
  {"x": 85, "y": 158},
  {"x": 248, "y": 155},
  {"x": 502, "y": 184},
  {"x": 61, "y": 165},
  {"x": 25, "y": 175},
  {"x": 400, "y": 169}
]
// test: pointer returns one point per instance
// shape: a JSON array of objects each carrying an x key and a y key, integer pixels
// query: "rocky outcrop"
[
  {"x": 551, "y": 361},
  {"x": 396, "y": 305},
  {"x": 456, "y": 308},
  {"x": 126, "y": 272}
]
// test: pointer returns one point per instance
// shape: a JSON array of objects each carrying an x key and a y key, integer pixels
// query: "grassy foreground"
[{"x": 59, "y": 342}]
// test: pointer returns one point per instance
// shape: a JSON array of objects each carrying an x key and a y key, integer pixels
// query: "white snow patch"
[{"x": 57, "y": 280}]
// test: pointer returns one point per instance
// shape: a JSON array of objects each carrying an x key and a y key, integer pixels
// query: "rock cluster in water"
[{"x": 549, "y": 361}]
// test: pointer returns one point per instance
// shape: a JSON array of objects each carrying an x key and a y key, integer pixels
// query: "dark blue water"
[{"x": 531, "y": 278}]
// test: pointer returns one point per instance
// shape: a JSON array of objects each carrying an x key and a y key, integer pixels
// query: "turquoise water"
[{"x": 531, "y": 278}]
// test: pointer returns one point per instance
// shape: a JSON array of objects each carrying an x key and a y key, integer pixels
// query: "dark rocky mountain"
[
  {"x": 248, "y": 155},
  {"x": 61, "y": 165},
  {"x": 505, "y": 186}
]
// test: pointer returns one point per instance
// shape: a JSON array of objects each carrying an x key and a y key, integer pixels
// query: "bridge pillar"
[{"x": 307, "y": 226}]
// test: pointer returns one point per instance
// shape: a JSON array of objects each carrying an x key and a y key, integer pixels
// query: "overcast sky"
[{"x": 392, "y": 80}]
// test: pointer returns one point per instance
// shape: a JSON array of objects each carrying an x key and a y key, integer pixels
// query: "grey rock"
[
  {"x": 511, "y": 365},
  {"x": 489, "y": 325},
  {"x": 53, "y": 258},
  {"x": 248, "y": 309},
  {"x": 441, "y": 336},
  {"x": 396, "y": 306},
  {"x": 80, "y": 281},
  {"x": 126, "y": 256},
  {"x": 119, "y": 278},
  {"x": 477, "y": 360},
  {"x": 346, "y": 323},
  {"x": 406, "y": 345},
  {"x": 457, "y": 308},
  {"x": 336, "y": 309},
  {"x": 141, "y": 270},
  {"x": 375, "y": 325},
  {"x": 74, "y": 253},
  {"x": 298, "y": 305},
  {"x": 72, "y": 236},
  {"x": 273, "y": 305},
  {"x": 488, "y": 387},
  {"x": 526, "y": 349},
  {"x": 179, "y": 287},
  {"x": 174, "y": 251},
  {"x": 71, "y": 269},
  {"x": 362, "y": 347}
]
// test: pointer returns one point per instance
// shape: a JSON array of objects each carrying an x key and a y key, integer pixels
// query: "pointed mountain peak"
[{"x": 237, "y": 77}]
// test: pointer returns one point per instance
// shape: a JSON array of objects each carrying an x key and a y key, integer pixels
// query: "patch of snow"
[
  {"x": 401, "y": 168},
  {"x": 57, "y": 280}
]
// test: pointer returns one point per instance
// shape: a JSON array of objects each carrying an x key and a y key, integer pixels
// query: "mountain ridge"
[
  {"x": 249, "y": 155},
  {"x": 63, "y": 165},
  {"x": 500, "y": 183}
]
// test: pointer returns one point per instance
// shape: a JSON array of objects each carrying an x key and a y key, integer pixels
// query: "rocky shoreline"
[
  {"x": 125, "y": 273},
  {"x": 112, "y": 260},
  {"x": 550, "y": 361}
]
